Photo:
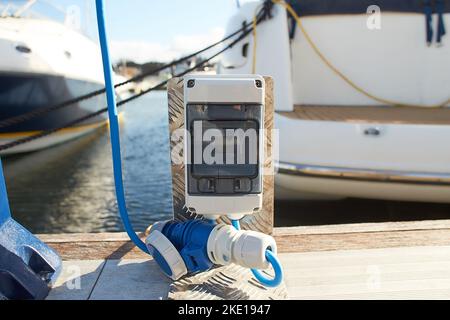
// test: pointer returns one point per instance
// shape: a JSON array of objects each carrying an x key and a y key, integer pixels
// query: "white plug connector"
[{"x": 246, "y": 248}]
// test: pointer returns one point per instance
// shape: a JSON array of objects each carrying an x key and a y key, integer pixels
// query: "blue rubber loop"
[
  {"x": 114, "y": 127},
  {"x": 273, "y": 260},
  {"x": 236, "y": 224}
]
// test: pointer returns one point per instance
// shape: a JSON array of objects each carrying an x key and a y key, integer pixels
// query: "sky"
[
  {"x": 163, "y": 30},
  {"x": 152, "y": 30},
  {"x": 160, "y": 30}
]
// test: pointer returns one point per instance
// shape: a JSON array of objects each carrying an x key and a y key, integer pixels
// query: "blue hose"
[
  {"x": 114, "y": 127},
  {"x": 273, "y": 260}
]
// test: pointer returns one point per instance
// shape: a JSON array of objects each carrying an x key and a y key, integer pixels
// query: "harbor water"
[{"x": 70, "y": 187}]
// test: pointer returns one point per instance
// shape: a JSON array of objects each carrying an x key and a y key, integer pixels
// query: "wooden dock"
[{"x": 398, "y": 260}]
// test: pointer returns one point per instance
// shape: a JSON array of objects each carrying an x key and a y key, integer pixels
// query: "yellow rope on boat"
[{"x": 327, "y": 62}]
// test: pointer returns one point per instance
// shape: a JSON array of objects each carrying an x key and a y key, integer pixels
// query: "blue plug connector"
[{"x": 194, "y": 246}]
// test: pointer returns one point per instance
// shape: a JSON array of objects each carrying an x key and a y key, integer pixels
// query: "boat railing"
[{"x": 28, "y": 9}]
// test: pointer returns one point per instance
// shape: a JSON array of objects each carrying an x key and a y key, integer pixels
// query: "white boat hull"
[
  {"x": 393, "y": 63},
  {"x": 47, "y": 141},
  {"x": 291, "y": 187},
  {"x": 44, "y": 64}
]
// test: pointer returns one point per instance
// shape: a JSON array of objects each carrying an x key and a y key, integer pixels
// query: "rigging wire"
[
  {"x": 121, "y": 103},
  {"x": 42, "y": 111}
]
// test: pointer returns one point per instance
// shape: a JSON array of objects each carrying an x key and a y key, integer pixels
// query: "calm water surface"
[{"x": 70, "y": 188}]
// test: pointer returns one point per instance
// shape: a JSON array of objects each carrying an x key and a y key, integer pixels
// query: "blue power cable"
[
  {"x": 114, "y": 127},
  {"x": 273, "y": 260}
]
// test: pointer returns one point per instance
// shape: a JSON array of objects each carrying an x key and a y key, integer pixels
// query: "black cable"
[
  {"x": 99, "y": 112},
  {"x": 39, "y": 112}
]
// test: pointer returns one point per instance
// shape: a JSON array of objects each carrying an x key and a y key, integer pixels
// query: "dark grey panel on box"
[{"x": 235, "y": 169}]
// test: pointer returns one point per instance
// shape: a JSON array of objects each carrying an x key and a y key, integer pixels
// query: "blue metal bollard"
[{"x": 28, "y": 267}]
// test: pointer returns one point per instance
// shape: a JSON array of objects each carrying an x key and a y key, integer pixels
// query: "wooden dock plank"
[
  {"x": 391, "y": 273},
  {"x": 397, "y": 260},
  {"x": 106, "y": 246},
  {"x": 409, "y": 273},
  {"x": 396, "y": 295},
  {"x": 139, "y": 279},
  {"x": 366, "y": 227},
  {"x": 298, "y": 239}
]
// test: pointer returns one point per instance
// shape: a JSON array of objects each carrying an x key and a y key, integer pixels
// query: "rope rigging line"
[
  {"x": 39, "y": 112},
  {"x": 121, "y": 103}
]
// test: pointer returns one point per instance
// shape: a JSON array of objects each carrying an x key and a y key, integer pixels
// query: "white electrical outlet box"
[{"x": 224, "y": 144}]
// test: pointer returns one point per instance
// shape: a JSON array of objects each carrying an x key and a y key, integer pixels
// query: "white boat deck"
[
  {"x": 371, "y": 114},
  {"x": 386, "y": 273}
]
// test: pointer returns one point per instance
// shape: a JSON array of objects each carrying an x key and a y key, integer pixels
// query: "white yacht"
[
  {"x": 361, "y": 95},
  {"x": 45, "y": 62}
]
